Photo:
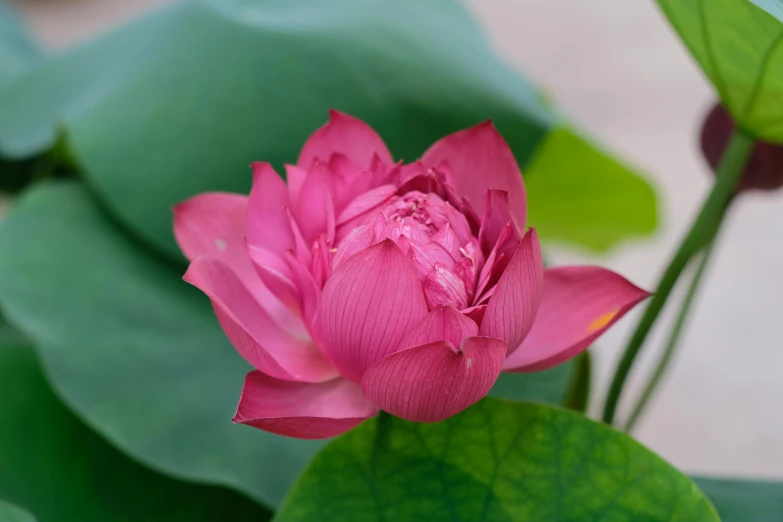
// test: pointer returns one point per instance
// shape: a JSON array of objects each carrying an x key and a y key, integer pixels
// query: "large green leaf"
[
  {"x": 744, "y": 500},
  {"x": 17, "y": 52},
  {"x": 497, "y": 461},
  {"x": 12, "y": 513},
  {"x": 550, "y": 386},
  {"x": 739, "y": 45},
  {"x": 62, "y": 471},
  {"x": 132, "y": 348},
  {"x": 575, "y": 190},
  {"x": 183, "y": 100},
  {"x": 17, "y": 49},
  {"x": 10, "y": 336}
]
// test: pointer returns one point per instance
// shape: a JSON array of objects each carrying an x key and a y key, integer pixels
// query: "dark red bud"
[{"x": 764, "y": 170}]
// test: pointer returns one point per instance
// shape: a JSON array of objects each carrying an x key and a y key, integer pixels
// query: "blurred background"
[{"x": 620, "y": 73}]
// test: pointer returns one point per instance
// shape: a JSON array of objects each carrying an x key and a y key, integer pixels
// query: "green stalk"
[
  {"x": 733, "y": 161},
  {"x": 674, "y": 338},
  {"x": 578, "y": 397}
]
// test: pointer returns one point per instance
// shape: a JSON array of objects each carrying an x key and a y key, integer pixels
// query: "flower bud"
[
  {"x": 764, "y": 169},
  {"x": 364, "y": 283}
]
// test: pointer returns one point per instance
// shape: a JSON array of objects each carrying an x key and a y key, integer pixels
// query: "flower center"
[
  {"x": 413, "y": 207},
  {"x": 409, "y": 216},
  {"x": 438, "y": 240}
]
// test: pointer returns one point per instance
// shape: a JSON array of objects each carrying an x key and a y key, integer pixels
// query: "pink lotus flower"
[{"x": 367, "y": 284}]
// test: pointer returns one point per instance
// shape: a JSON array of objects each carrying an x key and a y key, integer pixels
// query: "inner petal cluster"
[{"x": 434, "y": 235}]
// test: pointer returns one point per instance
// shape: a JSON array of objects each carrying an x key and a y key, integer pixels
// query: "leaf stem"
[
  {"x": 674, "y": 337},
  {"x": 734, "y": 158},
  {"x": 579, "y": 390}
]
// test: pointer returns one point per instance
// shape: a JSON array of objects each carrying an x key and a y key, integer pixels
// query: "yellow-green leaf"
[{"x": 739, "y": 46}]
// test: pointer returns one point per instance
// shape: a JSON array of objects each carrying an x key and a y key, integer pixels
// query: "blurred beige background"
[{"x": 618, "y": 71}]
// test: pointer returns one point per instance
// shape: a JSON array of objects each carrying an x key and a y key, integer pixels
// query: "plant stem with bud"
[{"x": 732, "y": 163}]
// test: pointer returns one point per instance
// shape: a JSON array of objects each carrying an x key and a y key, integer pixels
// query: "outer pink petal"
[
  {"x": 348, "y": 136},
  {"x": 512, "y": 308},
  {"x": 441, "y": 324},
  {"x": 371, "y": 301},
  {"x": 268, "y": 225},
  {"x": 410, "y": 170},
  {"x": 212, "y": 223},
  {"x": 269, "y": 233},
  {"x": 321, "y": 266},
  {"x": 295, "y": 178},
  {"x": 308, "y": 290},
  {"x": 382, "y": 174},
  {"x": 302, "y": 410},
  {"x": 215, "y": 224},
  {"x": 252, "y": 331},
  {"x": 480, "y": 159},
  {"x": 347, "y": 181},
  {"x": 276, "y": 275},
  {"x": 301, "y": 248},
  {"x": 315, "y": 209},
  {"x": 496, "y": 261},
  {"x": 434, "y": 381},
  {"x": 578, "y": 304},
  {"x": 357, "y": 240},
  {"x": 497, "y": 215}
]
